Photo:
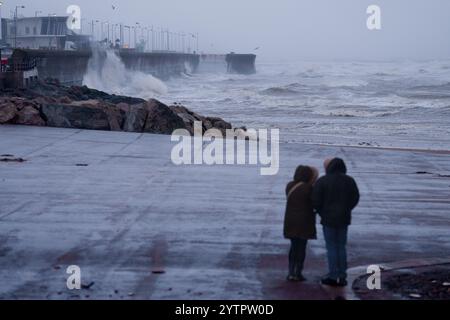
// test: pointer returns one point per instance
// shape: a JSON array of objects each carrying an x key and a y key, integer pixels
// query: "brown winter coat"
[{"x": 300, "y": 220}]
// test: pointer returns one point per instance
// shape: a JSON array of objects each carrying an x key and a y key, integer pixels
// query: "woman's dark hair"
[{"x": 303, "y": 174}]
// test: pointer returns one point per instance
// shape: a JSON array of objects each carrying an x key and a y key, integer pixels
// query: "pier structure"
[
  {"x": 63, "y": 53},
  {"x": 69, "y": 67}
]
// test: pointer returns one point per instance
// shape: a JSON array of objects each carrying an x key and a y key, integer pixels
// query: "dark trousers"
[
  {"x": 297, "y": 256},
  {"x": 336, "y": 241}
]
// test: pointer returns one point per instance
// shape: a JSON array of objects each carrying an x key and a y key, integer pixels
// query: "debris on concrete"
[
  {"x": 158, "y": 271},
  {"x": 423, "y": 283},
  {"x": 10, "y": 158},
  {"x": 87, "y": 286}
]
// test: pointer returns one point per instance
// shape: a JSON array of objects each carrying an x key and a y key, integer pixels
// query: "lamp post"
[
  {"x": 121, "y": 35},
  {"x": 124, "y": 39},
  {"x": 1, "y": 30},
  {"x": 107, "y": 33},
  {"x": 135, "y": 34},
  {"x": 129, "y": 35},
  {"x": 168, "y": 40},
  {"x": 117, "y": 39},
  {"x": 144, "y": 37},
  {"x": 153, "y": 40},
  {"x": 103, "y": 31},
  {"x": 81, "y": 25},
  {"x": 183, "y": 42},
  {"x": 148, "y": 39},
  {"x": 113, "y": 30},
  {"x": 15, "y": 24},
  {"x": 93, "y": 30},
  {"x": 197, "y": 43}
]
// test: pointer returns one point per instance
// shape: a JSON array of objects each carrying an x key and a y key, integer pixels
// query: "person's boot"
[
  {"x": 301, "y": 278},
  {"x": 296, "y": 278},
  {"x": 342, "y": 282},
  {"x": 299, "y": 274},
  {"x": 291, "y": 278},
  {"x": 329, "y": 282}
]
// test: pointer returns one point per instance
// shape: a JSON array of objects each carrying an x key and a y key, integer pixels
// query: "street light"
[
  {"x": 183, "y": 36},
  {"x": 135, "y": 34},
  {"x": 102, "y": 31},
  {"x": 1, "y": 31},
  {"x": 107, "y": 34},
  {"x": 115, "y": 39},
  {"x": 93, "y": 22},
  {"x": 129, "y": 36},
  {"x": 81, "y": 25},
  {"x": 195, "y": 36},
  {"x": 153, "y": 39},
  {"x": 197, "y": 43},
  {"x": 15, "y": 24},
  {"x": 121, "y": 35},
  {"x": 148, "y": 39},
  {"x": 168, "y": 40}
]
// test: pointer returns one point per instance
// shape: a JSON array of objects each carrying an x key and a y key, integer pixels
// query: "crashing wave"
[{"x": 107, "y": 72}]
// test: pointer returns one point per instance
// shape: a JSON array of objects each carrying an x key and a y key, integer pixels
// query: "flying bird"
[
  {"x": 113, "y": 7},
  {"x": 257, "y": 48}
]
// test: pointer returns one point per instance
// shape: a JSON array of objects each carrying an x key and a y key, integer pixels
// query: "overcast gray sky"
[{"x": 283, "y": 29}]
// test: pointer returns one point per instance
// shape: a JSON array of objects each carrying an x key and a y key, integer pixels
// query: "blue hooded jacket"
[{"x": 335, "y": 195}]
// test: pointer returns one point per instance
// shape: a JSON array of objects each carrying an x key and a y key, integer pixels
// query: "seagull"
[
  {"x": 257, "y": 48},
  {"x": 113, "y": 7}
]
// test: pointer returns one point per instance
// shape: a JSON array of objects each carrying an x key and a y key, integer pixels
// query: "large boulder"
[
  {"x": 7, "y": 111},
  {"x": 220, "y": 124},
  {"x": 74, "y": 116},
  {"x": 115, "y": 116},
  {"x": 135, "y": 117},
  {"x": 44, "y": 100},
  {"x": 28, "y": 115},
  {"x": 161, "y": 119},
  {"x": 189, "y": 117},
  {"x": 98, "y": 109}
]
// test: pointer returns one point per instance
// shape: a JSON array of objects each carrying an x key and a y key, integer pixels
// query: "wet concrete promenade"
[{"x": 140, "y": 227}]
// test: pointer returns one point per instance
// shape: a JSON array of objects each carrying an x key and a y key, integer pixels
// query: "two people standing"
[{"x": 332, "y": 197}]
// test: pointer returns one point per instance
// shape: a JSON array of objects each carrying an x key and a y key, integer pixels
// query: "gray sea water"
[
  {"x": 379, "y": 104},
  {"x": 373, "y": 104}
]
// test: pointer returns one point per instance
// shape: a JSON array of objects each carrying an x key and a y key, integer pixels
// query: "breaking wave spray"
[{"x": 107, "y": 72}]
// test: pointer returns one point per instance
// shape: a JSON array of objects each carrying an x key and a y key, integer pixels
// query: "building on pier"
[{"x": 50, "y": 33}]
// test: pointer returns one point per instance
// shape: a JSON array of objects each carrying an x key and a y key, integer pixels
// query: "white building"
[{"x": 42, "y": 33}]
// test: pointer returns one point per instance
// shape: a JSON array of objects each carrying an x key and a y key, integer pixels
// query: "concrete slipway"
[{"x": 140, "y": 227}]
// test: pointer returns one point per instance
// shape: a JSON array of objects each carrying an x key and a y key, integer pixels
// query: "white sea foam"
[
  {"x": 390, "y": 104},
  {"x": 106, "y": 72}
]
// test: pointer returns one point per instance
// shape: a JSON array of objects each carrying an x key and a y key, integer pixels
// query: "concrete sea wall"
[
  {"x": 160, "y": 65},
  {"x": 69, "y": 67},
  {"x": 241, "y": 63}
]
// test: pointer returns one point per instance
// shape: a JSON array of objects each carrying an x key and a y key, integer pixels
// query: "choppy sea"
[
  {"x": 375, "y": 104},
  {"x": 379, "y": 104}
]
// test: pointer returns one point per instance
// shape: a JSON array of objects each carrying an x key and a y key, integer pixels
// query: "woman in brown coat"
[{"x": 300, "y": 220}]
